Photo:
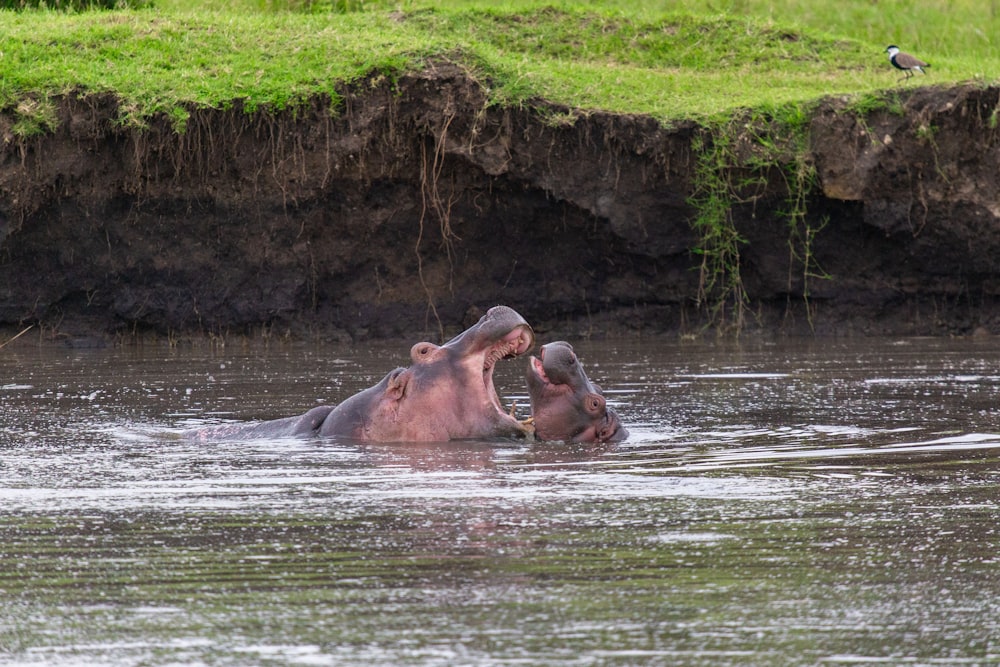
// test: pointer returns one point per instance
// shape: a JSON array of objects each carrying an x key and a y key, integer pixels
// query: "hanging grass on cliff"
[{"x": 613, "y": 56}]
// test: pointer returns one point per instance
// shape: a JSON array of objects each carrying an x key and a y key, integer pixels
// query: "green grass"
[
  {"x": 684, "y": 59},
  {"x": 156, "y": 61}
]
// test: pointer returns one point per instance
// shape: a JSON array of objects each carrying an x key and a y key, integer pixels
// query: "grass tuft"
[{"x": 34, "y": 116}]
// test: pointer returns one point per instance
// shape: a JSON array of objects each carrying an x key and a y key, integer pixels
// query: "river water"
[{"x": 813, "y": 502}]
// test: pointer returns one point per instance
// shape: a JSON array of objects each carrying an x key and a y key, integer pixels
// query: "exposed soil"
[{"x": 414, "y": 205}]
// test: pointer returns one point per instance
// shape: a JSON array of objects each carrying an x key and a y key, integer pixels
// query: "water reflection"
[{"x": 817, "y": 502}]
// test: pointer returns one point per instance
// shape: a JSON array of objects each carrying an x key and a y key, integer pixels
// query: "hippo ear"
[
  {"x": 397, "y": 383},
  {"x": 593, "y": 404},
  {"x": 422, "y": 353}
]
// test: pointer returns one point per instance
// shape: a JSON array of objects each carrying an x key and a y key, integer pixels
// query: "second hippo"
[{"x": 565, "y": 404}]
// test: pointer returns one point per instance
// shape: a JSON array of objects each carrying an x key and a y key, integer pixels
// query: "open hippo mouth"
[
  {"x": 561, "y": 379},
  {"x": 515, "y": 343},
  {"x": 538, "y": 367}
]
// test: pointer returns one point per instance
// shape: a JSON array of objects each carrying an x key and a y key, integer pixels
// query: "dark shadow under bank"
[{"x": 416, "y": 205}]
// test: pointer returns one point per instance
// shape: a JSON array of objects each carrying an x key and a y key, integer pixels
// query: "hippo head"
[
  {"x": 447, "y": 392},
  {"x": 565, "y": 404}
]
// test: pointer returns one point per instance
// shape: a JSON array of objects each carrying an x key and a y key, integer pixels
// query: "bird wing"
[{"x": 907, "y": 61}]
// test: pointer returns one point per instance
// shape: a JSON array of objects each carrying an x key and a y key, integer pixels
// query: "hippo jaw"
[
  {"x": 499, "y": 334},
  {"x": 479, "y": 365},
  {"x": 514, "y": 344}
]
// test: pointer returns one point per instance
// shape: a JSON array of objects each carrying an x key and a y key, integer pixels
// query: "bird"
[{"x": 905, "y": 61}]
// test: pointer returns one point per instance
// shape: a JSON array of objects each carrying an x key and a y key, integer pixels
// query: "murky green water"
[{"x": 818, "y": 503}]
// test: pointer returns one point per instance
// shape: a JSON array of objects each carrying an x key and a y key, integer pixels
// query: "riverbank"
[
  {"x": 412, "y": 197},
  {"x": 419, "y": 204}
]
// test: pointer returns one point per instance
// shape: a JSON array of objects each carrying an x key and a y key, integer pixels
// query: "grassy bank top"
[{"x": 627, "y": 57}]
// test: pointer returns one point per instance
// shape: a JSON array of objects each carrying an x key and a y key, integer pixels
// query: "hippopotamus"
[
  {"x": 446, "y": 393},
  {"x": 565, "y": 404}
]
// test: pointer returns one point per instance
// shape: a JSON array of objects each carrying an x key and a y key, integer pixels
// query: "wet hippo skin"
[
  {"x": 446, "y": 393},
  {"x": 565, "y": 404}
]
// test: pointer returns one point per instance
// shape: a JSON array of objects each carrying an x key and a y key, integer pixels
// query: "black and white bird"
[{"x": 905, "y": 61}]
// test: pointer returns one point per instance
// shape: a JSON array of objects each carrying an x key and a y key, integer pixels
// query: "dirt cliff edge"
[{"x": 416, "y": 204}]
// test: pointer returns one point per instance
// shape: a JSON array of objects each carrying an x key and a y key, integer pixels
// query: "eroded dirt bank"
[{"x": 414, "y": 206}]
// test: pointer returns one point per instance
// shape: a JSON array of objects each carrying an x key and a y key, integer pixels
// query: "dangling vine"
[{"x": 734, "y": 163}]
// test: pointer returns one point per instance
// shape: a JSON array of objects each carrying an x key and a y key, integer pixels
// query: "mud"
[{"x": 411, "y": 206}]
